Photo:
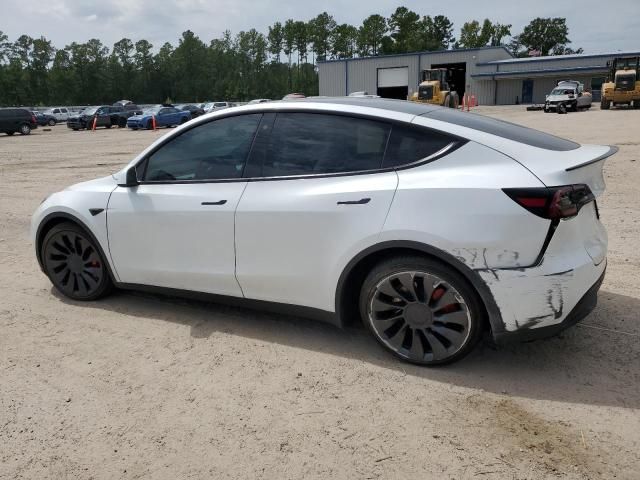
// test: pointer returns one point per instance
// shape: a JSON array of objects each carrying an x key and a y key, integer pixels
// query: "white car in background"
[
  {"x": 61, "y": 114},
  {"x": 568, "y": 95},
  {"x": 428, "y": 224},
  {"x": 215, "y": 106}
]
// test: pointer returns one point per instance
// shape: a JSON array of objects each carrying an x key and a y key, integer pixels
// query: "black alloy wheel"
[{"x": 74, "y": 264}]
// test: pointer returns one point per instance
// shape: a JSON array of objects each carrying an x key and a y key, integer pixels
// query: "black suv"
[
  {"x": 14, "y": 120},
  {"x": 106, "y": 116}
]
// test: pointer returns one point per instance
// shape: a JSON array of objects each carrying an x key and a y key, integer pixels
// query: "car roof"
[{"x": 452, "y": 116}]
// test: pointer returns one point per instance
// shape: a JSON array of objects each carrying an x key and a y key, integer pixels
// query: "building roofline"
[
  {"x": 555, "y": 58},
  {"x": 524, "y": 73},
  {"x": 408, "y": 54}
]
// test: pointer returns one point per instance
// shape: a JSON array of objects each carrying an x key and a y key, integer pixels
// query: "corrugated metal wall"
[
  {"x": 363, "y": 73},
  {"x": 507, "y": 91},
  {"x": 331, "y": 76}
]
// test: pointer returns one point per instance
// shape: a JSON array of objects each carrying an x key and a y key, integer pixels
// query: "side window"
[
  {"x": 412, "y": 144},
  {"x": 56, "y": 111},
  {"x": 315, "y": 143},
  {"x": 63, "y": 110},
  {"x": 215, "y": 150}
]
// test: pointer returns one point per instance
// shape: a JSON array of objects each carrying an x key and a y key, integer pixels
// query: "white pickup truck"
[
  {"x": 61, "y": 114},
  {"x": 566, "y": 96}
]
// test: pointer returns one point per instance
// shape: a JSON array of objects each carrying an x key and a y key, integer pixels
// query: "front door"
[
  {"x": 176, "y": 229},
  {"x": 308, "y": 216},
  {"x": 527, "y": 91}
]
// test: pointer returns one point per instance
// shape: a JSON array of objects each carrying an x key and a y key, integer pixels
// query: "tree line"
[{"x": 240, "y": 67}]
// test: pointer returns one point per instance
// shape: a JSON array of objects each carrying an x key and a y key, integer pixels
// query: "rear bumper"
[{"x": 584, "y": 306}]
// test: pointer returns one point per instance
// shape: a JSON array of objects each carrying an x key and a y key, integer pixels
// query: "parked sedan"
[
  {"x": 427, "y": 224},
  {"x": 195, "y": 110},
  {"x": 44, "y": 119},
  {"x": 164, "y": 117}
]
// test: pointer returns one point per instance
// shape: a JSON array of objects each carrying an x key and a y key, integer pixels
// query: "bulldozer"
[
  {"x": 434, "y": 88},
  {"x": 623, "y": 83}
]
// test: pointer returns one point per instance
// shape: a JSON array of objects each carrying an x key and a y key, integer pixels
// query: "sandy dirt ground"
[{"x": 143, "y": 386}]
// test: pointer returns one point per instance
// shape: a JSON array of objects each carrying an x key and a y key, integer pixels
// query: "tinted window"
[
  {"x": 215, "y": 150},
  {"x": 503, "y": 129},
  {"x": 56, "y": 111},
  {"x": 411, "y": 144},
  {"x": 312, "y": 143}
]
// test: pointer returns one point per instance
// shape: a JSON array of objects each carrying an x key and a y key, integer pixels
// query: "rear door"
[
  {"x": 318, "y": 198},
  {"x": 176, "y": 229}
]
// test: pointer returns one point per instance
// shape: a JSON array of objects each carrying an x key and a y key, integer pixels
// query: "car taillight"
[
  {"x": 33, "y": 119},
  {"x": 552, "y": 203}
]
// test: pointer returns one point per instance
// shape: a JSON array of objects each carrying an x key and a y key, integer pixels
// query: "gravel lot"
[{"x": 142, "y": 386}]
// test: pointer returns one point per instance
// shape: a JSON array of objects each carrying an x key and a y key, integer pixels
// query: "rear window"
[
  {"x": 315, "y": 143},
  {"x": 503, "y": 129},
  {"x": 411, "y": 144}
]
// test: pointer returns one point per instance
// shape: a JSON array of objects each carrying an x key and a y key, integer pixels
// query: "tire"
[
  {"x": 456, "y": 101},
  {"x": 562, "y": 108},
  {"x": 10, "y": 133},
  {"x": 435, "y": 319},
  {"x": 74, "y": 129},
  {"x": 149, "y": 125},
  {"x": 51, "y": 122},
  {"x": 183, "y": 120},
  {"x": 604, "y": 104},
  {"x": 25, "y": 129},
  {"x": 74, "y": 264},
  {"x": 108, "y": 126}
]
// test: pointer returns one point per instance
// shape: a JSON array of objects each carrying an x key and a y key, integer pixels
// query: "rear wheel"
[
  {"x": 421, "y": 310},
  {"x": 74, "y": 264},
  {"x": 25, "y": 129},
  {"x": 149, "y": 125}
]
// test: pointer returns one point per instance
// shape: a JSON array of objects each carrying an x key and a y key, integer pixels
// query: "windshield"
[
  {"x": 220, "y": 104},
  {"x": 562, "y": 91},
  {"x": 151, "y": 111},
  {"x": 89, "y": 111}
]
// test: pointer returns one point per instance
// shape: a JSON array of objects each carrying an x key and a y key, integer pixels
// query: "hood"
[
  {"x": 555, "y": 98},
  {"x": 104, "y": 184},
  {"x": 136, "y": 117}
]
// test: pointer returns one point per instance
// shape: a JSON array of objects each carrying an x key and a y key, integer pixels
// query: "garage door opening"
[
  {"x": 393, "y": 82},
  {"x": 456, "y": 76}
]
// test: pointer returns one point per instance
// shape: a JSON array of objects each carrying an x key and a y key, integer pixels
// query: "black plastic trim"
[
  {"x": 95, "y": 211},
  {"x": 493, "y": 312},
  {"x": 583, "y": 308},
  {"x": 275, "y": 307}
]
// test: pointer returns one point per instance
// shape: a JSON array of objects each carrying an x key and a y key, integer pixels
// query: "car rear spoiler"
[{"x": 612, "y": 150}]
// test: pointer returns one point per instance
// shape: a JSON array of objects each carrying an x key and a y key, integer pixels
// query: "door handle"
[
  {"x": 219, "y": 202},
  {"x": 362, "y": 201}
]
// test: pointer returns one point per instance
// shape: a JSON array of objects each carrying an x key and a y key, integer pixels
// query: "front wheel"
[
  {"x": 25, "y": 129},
  {"x": 421, "y": 310},
  {"x": 52, "y": 122},
  {"x": 74, "y": 264}
]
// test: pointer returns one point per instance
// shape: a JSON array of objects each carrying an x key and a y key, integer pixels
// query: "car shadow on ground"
[{"x": 596, "y": 362}]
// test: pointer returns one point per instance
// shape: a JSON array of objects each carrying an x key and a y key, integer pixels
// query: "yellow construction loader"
[
  {"x": 434, "y": 89},
  {"x": 623, "y": 83}
]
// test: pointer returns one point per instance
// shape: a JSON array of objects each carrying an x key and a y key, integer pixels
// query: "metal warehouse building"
[{"x": 492, "y": 74}]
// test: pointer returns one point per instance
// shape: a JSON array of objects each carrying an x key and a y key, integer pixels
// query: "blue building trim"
[
  {"x": 557, "y": 58},
  {"x": 409, "y": 54},
  {"x": 497, "y": 74}
]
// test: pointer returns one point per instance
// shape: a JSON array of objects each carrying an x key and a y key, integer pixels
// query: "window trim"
[{"x": 456, "y": 142}]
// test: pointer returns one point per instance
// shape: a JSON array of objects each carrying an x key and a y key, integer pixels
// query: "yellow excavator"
[
  {"x": 434, "y": 88},
  {"x": 623, "y": 83}
]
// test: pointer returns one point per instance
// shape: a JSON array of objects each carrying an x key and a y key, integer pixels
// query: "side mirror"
[{"x": 131, "y": 178}]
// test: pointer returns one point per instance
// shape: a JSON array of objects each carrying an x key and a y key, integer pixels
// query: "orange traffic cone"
[
  {"x": 95, "y": 122},
  {"x": 153, "y": 123}
]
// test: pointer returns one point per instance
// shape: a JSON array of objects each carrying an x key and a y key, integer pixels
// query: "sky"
[{"x": 592, "y": 27}]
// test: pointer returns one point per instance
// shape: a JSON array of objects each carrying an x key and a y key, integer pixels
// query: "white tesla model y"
[{"x": 429, "y": 224}]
